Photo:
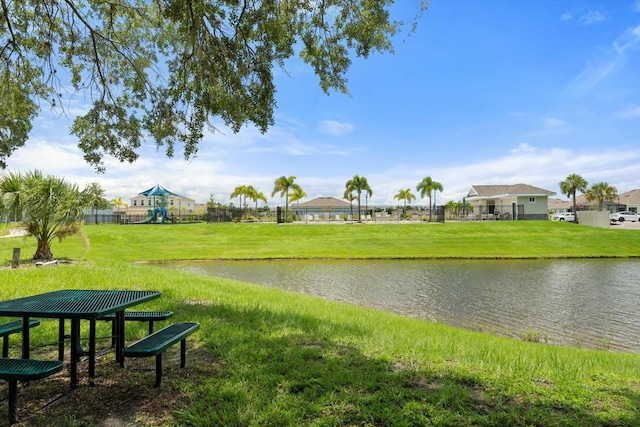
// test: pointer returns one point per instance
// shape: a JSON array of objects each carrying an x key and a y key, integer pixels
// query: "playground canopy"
[{"x": 158, "y": 190}]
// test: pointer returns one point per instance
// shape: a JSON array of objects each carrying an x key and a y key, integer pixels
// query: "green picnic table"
[{"x": 77, "y": 305}]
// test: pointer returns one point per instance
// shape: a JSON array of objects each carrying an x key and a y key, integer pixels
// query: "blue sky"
[{"x": 484, "y": 92}]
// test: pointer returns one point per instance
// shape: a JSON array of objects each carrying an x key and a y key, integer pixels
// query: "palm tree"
[
  {"x": 94, "y": 198},
  {"x": 255, "y": 195},
  {"x": 570, "y": 185},
  {"x": 428, "y": 187},
  {"x": 297, "y": 195},
  {"x": 453, "y": 207},
  {"x": 51, "y": 208},
  {"x": 350, "y": 197},
  {"x": 600, "y": 192},
  {"x": 118, "y": 203},
  {"x": 239, "y": 191},
  {"x": 282, "y": 185},
  {"x": 358, "y": 184},
  {"x": 405, "y": 195}
]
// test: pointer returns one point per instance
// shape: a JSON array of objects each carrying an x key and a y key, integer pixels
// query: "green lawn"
[
  {"x": 509, "y": 239},
  {"x": 268, "y": 357}
]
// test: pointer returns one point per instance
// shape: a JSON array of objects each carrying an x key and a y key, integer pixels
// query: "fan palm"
[
  {"x": 600, "y": 192},
  {"x": 571, "y": 185},
  {"x": 51, "y": 208}
]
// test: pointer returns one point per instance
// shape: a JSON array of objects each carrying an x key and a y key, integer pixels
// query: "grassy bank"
[
  {"x": 509, "y": 239},
  {"x": 268, "y": 357}
]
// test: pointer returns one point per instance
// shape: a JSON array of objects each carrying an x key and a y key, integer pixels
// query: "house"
[
  {"x": 627, "y": 201},
  {"x": 560, "y": 205},
  {"x": 325, "y": 209},
  {"x": 630, "y": 200},
  {"x": 519, "y": 201}
]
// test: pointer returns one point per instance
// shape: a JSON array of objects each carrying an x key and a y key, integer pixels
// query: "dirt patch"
[
  {"x": 15, "y": 232},
  {"x": 121, "y": 397}
]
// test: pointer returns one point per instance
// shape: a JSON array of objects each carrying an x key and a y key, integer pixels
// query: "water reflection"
[{"x": 586, "y": 303}]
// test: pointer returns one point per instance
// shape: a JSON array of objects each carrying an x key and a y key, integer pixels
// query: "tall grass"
[{"x": 269, "y": 357}]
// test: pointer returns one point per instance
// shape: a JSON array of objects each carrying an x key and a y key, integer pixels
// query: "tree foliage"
[
  {"x": 93, "y": 197},
  {"x": 407, "y": 196},
  {"x": 240, "y": 191},
  {"x": 601, "y": 192},
  {"x": 358, "y": 184},
  {"x": 572, "y": 184},
  {"x": 255, "y": 195},
  {"x": 349, "y": 197},
  {"x": 50, "y": 207},
  {"x": 162, "y": 69},
  {"x": 118, "y": 203},
  {"x": 297, "y": 195},
  {"x": 427, "y": 187},
  {"x": 284, "y": 186}
]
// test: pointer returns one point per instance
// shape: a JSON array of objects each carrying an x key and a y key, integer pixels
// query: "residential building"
[
  {"x": 627, "y": 201},
  {"x": 519, "y": 201}
]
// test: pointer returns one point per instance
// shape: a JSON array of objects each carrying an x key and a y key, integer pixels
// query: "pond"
[{"x": 581, "y": 303}]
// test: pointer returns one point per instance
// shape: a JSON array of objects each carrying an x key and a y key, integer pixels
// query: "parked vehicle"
[
  {"x": 624, "y": 216},
  {"x": 564, "y": 216}
]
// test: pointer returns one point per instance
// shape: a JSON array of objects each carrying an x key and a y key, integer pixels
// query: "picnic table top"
[{"x": 75, "y": 303}]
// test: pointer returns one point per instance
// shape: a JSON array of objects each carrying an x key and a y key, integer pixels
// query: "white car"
[
  {"x": 624, "y": 216},
  {"x": 564, "y": 216}
]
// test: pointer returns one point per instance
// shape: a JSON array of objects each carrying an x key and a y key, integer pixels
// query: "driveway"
[{"x": 627, "y": 225}]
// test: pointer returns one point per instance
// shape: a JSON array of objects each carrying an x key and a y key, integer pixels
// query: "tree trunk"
[
  {"x": 15, "y": 261},
  {"x": 43, "y": 253}
]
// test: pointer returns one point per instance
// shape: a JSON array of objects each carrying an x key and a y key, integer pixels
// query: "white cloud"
[
  {"x": 566, "y": 16},
  {"x": 543, "y": 168},
  {"x": 523, "y": 147},
  {"x": 612, "y": 58},
  {"x": 635, "y": 7},
  {"x": 204, "y": 175},
  {"x": 630, "y": 38},
  {"x": 333, "y": 127},
  {"x": 593, "y": 17}
]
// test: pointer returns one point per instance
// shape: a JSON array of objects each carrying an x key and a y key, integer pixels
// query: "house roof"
[
  {"x": 493, "y": 191},
  {"x": 323, "y": 202},
  {"x": 628, "y": 198},
  {"x": 631, "y": 197}
]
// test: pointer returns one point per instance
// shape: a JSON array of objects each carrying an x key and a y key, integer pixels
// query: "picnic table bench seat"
[
  {"x": 14, "y": 370},
  {"x": 136, "y": 316},
  {"x": 141, "y": 316},
  {"x": 11, "y": 328},
  {"x": 156, "y": 343}
]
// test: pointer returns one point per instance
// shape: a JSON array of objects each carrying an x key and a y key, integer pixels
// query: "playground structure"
[
  {"x": 157, "y": 216},
  {"x": 157, "y": 212}
]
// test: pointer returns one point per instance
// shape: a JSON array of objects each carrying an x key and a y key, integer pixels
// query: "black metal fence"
[
  {"x": 140, "y": 219},
  {"x": 369, "y": 214}
]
